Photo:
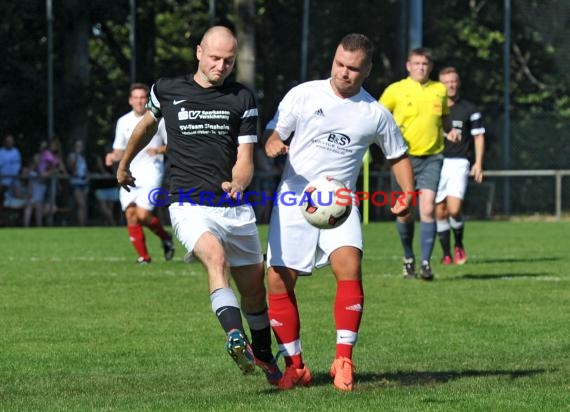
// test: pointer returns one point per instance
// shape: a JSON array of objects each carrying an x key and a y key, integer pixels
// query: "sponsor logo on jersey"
[
  {"x": 319, "y": 113},
  {"x": 184, "y": 114},
  {"x": 339, "y": 139},
  {"x": 175, "y": 102}
]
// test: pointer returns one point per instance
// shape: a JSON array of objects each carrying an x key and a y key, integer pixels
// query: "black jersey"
[
  {"x": 466, "y": 119},
  {"x": 204, "y": 127}
]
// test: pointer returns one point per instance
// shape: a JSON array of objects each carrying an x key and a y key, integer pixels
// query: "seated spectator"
[{"x": 16, "y": 196}]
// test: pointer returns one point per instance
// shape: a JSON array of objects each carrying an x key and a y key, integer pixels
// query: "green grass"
[{"x": 83, "y": 328}]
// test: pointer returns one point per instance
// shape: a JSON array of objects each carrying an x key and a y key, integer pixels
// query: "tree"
[{"x": 91, "y": 81}]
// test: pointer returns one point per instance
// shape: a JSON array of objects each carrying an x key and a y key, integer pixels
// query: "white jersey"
[
  {"x": 331, "y": 134},
  {"x": 144, "y": 167}
]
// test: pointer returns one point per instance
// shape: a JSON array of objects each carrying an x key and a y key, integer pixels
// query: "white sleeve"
[
  {"x": 153, "y": 104},
  {"x": 285, "y": 120},
  {"x": 121, "y": 139},
  {"x": 390, "y": 138},
  {"x": 161, "y": 131}
]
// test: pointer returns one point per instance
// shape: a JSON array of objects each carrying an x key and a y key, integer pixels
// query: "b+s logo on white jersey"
[{"x": 339, "y": 139}]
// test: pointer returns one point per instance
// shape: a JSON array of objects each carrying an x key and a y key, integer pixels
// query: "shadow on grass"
[
  {"x": 500, "y": 276},
  {"x": 515, "y": 260},
  {"x": 405, "y": 378}
]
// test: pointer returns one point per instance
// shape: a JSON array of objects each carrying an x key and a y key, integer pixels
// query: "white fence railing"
[{"x": 557, "y": 174}]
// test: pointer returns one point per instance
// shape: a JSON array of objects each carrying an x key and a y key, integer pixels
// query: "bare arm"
[
  {"x": 143, "y": 132},
  {"x": 403, "y": 172},
  {"x": 448, "y": 131},
  {"x": 477, "y": 168},
  {"x": 242, "y": 172},
  {"x": 113, "y": 157},
  {"x": 274, "y": 146},
  {"x": 153, "y": 151}
]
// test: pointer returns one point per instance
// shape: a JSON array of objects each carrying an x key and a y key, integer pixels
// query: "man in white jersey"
[
  {"x": 334, "y": 122},
  {"x": 212, "y": 129},
  {"x": 149, "y": 168}
]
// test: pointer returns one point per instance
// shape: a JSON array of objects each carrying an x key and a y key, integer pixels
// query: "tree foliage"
[{"x": 88, "y": 99}]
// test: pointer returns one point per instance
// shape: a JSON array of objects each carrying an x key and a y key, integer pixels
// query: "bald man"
[{"x": 211, "y": 126}]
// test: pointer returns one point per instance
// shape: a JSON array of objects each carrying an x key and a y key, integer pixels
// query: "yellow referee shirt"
[{"x": 418, "y": 110}]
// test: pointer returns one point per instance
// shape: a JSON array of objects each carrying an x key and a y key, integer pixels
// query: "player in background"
[
  {"x": 334, "y": 122},
  {"x": 148, "y": 166},
  {"x": 212, "y": 130},
  {"x": 467, "y": 150},
  {"x": 419, "y": 106}
]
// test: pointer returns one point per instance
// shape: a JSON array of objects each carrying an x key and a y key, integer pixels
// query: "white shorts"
[
  {"x": 141, "y": 196},
  {"x": 296, "y": 244},
  {"x": 453, "y": 180},
  {"x": 234, "y": 226}
]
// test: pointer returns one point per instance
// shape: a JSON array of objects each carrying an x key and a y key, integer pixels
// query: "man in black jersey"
[
  {"x": 462, "y": 158},
  {"x": 211, "y": 126}
]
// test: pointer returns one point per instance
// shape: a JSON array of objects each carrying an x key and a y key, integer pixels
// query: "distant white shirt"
[
  {"x": 144, "y": 167},
  {"x": 331, "y": 134}
]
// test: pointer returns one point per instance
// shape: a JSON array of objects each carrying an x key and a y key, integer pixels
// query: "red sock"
[
  {"x": 284, "y": 319},
  {"x": 348, "y": 307},
  {"x": 136, "y": 236},
  {"x": 156, "y": 227}
]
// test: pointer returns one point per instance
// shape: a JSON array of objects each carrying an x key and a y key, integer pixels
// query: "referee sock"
[
  {"x": 427, "y": 239},
  {"x": 285, "y": 322},
  {"x": 406, "y": 232},
  {"x": 136, "y": 236},
  {"x": 457, "y": 226},
  {"x": 348, "y": 306}
]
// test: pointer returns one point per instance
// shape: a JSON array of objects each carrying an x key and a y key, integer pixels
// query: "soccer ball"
[{"x": 321, "y": 205}]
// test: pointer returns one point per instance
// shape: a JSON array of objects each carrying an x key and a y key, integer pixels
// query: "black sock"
[
  {"x": 458, "y": 232},
  {"x": 230, "y": 318},
  {"x": 444, "y": 239},
  {"x": 260, "y": 334},
  {"x": 261, "y": 343},
  {"x": 457, "y": 227}
]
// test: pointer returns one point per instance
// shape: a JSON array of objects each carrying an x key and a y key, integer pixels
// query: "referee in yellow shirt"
[{"x": 419, "y": 106}]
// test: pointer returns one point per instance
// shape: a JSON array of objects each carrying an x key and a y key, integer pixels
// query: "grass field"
[{"x": 83, "y": 328}]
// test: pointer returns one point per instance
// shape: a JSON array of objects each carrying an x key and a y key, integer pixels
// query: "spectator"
[
  {"x": 36, "y": 191},
  {"x": 77, "y": 166},
  {"x": 107, "y": 192},
  {"x": 10, "y": 163},
  {"x": 51, "y": 165},
  {"x": 16, "y": 197}
]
